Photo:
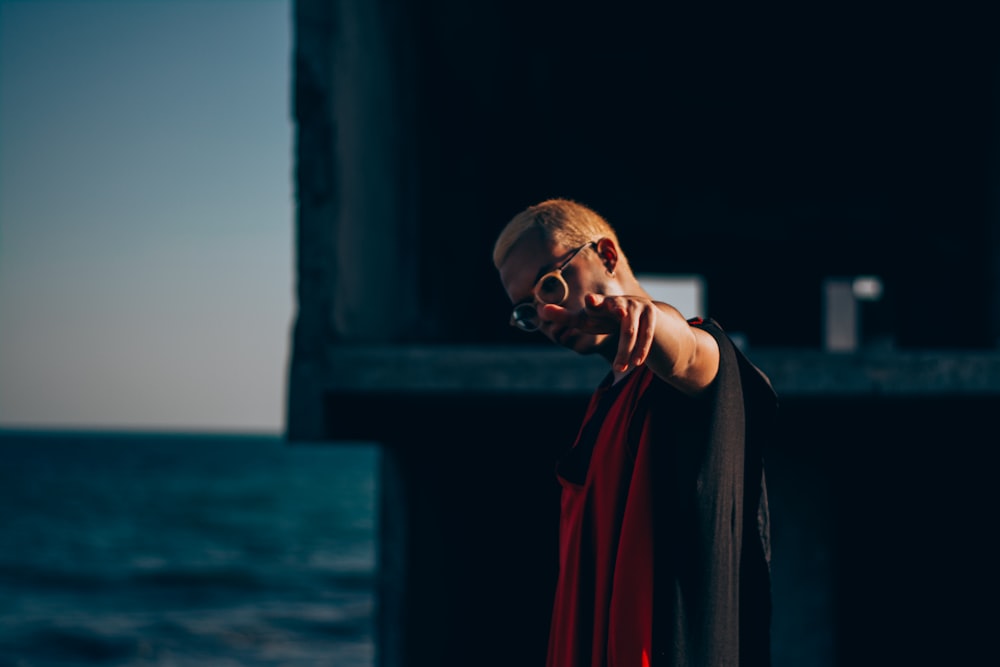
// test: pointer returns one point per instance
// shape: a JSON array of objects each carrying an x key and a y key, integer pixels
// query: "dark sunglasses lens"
[
  {"x": 526, "y": 317},
  {"x": 552, "y": 289}
]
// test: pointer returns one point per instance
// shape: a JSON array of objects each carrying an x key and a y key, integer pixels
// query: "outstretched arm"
[{"x": 650, "y": 332}]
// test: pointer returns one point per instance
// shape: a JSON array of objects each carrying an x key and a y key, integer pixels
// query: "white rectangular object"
[{"x": 685, "y": 292}]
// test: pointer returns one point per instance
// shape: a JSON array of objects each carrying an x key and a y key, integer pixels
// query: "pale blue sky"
[{"x": 146, "y": 214}]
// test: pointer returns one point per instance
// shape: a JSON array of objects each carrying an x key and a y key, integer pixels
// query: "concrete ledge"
[
  {"x": 544, "y": 370},
  {"x": 463, "y": 368},
  {"x": 881, "y": 373}
]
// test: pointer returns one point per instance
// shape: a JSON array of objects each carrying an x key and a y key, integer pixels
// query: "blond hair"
[{"x": 558, "y": 222}]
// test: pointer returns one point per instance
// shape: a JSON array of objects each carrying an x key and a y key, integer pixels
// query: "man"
[{"x": 664, "y": 554}]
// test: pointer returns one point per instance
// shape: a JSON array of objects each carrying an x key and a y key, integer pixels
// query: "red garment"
[{"x": 653, "y": 566}]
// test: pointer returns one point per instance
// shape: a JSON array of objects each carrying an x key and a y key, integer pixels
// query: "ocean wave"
[{"x": 130, "y": 551}]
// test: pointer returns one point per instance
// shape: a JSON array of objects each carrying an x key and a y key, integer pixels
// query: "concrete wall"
[{"x": 764, "y": 149}]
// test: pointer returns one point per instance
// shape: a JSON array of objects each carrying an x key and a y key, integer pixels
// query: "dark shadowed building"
[{"x": 780, "y": 154}]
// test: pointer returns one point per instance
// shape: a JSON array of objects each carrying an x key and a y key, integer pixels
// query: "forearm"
[{"x": 683, "y": 355}]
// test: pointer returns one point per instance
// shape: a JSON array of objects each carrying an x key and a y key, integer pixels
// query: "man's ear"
[{"x": 608, "y": 252}]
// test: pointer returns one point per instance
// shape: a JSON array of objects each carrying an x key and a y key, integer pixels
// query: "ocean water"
[{"x": 163, "y": 549}]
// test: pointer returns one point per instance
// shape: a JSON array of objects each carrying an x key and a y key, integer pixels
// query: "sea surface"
[{"x": 166, "y": 549}]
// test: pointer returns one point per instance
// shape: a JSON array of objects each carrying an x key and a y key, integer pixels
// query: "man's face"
[{"x": 529, "y": 260}]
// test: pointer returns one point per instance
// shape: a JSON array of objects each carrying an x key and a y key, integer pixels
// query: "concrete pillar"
[{"x": 356, "y": 222}]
